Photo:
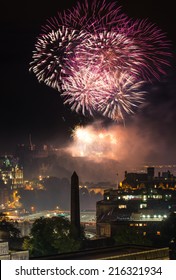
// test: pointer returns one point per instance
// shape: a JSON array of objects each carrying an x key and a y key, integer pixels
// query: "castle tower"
[
  {"x": 150, "y": 175},
  {"x": 75, "y": 205},
  {"x": 150, "y": 172}
]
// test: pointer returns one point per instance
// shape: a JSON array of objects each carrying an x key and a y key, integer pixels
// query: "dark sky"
[{"x": 28, "y": 107}]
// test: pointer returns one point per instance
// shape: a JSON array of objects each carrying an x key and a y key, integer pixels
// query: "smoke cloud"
[
  {"x": 148, "y": 138},
  {"x": 100, "y": 153}
]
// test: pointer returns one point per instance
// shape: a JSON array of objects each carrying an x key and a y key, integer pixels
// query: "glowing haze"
[
  {"x": 94, "y": 143},
  {"x": 113, "y": 143}
]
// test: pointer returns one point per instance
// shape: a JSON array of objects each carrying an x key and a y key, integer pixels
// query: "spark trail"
[{"x": 99, "y": 59}]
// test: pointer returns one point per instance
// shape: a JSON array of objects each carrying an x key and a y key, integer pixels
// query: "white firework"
[
  {"x": 82, "y": 90},
  {"x": 51, "y": 52},
  {"x": 122, "y": 95}
]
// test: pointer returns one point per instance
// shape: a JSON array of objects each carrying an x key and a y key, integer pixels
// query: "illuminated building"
[
  {"x": 4, "y": 196},
  {"x": 10, "y": 172},
  {"x": 11, "y": 176},
  {"x": 134, "y": 181},
  {"x": 142, "y": 201}
]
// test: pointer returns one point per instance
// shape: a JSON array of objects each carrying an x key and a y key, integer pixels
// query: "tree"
[
  {"x": 168, "y": 234},
  {"x": 51, "y": 236},
  {"x": 9, "y": 231},
  {"x": 131, "y": 236},
  {"x": 7, "y": 227},
  {"x": 169, "y": 228}
]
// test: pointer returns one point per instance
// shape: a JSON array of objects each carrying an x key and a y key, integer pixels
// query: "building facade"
[
  {"x": 142, "y": 202},
  {"x": 6, "y": 254},
  {"x": 11, "y": 180}
]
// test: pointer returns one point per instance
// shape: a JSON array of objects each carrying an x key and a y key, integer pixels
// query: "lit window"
[
  {"x": 158, "y": 233},
  {"x": 143, "y": 205},
  {"x": 122, "y": 206},
  {"x": 144, "y": 233}
]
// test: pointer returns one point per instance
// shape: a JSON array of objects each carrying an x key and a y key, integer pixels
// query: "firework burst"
[
  {"x": 110, "y": 51},
  {"x": 112, "y": 95},
  {"x": 82, "y": 90},
  {"x": 98, "y": 58},
  {"x": 51, "y": 53},
  {"x": 122, "y": 96},
  {"x": 151, "y": 51},
  {"x": 139, "y": 48}
]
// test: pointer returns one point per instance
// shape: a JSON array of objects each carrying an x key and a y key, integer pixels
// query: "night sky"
[{"x": 29, "y": 107}]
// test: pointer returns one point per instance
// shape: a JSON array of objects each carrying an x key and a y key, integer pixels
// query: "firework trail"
[
  {"x": 98, "y": 58},
  {"x": 90, "y": 16}
]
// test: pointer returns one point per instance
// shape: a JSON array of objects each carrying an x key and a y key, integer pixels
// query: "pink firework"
[
  {"x": 110, "y": 51},
  {"x": 98, "y": 58},
  {"x": 90, "y": 16},
  {"x": 153, "y": 54},
  {"x": 139, "y": 48}
]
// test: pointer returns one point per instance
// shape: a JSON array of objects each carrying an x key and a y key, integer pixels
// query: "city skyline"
[{"x": 31, "y": 108}]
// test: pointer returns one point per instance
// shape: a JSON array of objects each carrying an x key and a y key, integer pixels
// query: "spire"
[{"x": 30, "y": 143}]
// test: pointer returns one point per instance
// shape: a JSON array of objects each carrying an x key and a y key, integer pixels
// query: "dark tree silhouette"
[{"x": 51, "y": 236}]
